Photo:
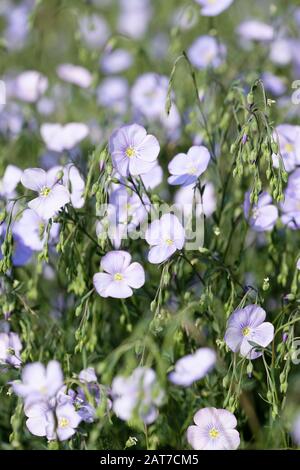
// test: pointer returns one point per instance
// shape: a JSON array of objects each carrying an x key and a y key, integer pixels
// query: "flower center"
[
  {"x": 63, "y": 422},
  {"x": 118, "y": 277},
  {"x": 192, "y": 170},
  {"x": 289, "y": 148},
  {"x": 43, "y": 390},
  {"x": 255, "y": 213},
  {"x": 246, "y": 331},
  {"x": 130, "y": 152},
  {"x": 169, "y": 242},
  {"x": 214, "y": 433},
  {"x": 45, "y": 191}
]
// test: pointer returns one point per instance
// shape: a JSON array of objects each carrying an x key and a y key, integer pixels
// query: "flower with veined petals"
[
  {"x": 52, "y": 195},
  {"x": 214, "y": 430},
  {"x": 133, "y": 151},
  {"x": 186, "y": 168},
  {"x": 120, "y": 276},
  {"x": 67, "y": 421},
  {"x": 246, "y": 328},
  {"x": 44, "y": 420},
  {"x": 165, "y": 236}
]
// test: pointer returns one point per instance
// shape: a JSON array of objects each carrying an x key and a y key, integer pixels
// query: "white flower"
[{"x": 52, "y": 195}]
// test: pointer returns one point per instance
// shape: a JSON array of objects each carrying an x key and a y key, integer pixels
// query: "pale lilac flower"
[
  {"x": 40, "y": 419},
  {"x": 149, "y": 93},
  {"x": 134, "y": 18},
  {"x": 127, "y": 208},
  {"x": 296, "y": 430},
  {"x": 116, "y": 61},
  {"x": 39, "y": 382},
  {"x": 261, "y": 216},
  {"x": 94, "y": 30},
  {"x": 254, "y": 30},
  {"x": 9, "y": 181},
  {"x": 52, "y": 195},
  {"x": 72, "y": 180},
  {"x": 120, "y": 276},
  {"x": 213, "y": 7},
  {"x": 124, "y": 213},
  {"x": 289, "y": 142},
  {"x": 153, "y": 178},
  {"x": 29, "y": 86},
  {"x": 276, "y": 85},
  {"x": 59, "y": 138},
  {"x": 85, "y": 409},
  {"x": 74, "y": 74},
  {"x": 11, "y": 119},
  {"x": 21, "y": 253},
  {"x": 165, "y": 236},
  {"x": 138, "y": 395},
  {"x": 30, "y": 228},
  {"x": 88, "y": 375},
  {"x": 45, "y": 420},
  {"x": 10, "y": 349},
  {"x": 206, "y": 52},
  {"x": 133, "y": 151},
  {"x": 46, "y": 106},
  {"x": 193, "y": 367},
  {"x": 186, "y": 168},
  {"x": 17, "y": 26},
  {"x": 67, "y": 421},
  {"x": 206, "y": 204},
  {"x": 214, "y": 430},
  {"x": 184, "y": 18},
  {"x": 298, "y": 264},
  {"x": 112, "y": 93},
  {"x": 291, "y": 204},
  {"x": 246, "y": 328},
  {"x": 281, "y": 52}
]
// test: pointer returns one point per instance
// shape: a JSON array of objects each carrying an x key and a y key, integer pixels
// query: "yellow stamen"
[
  {"x": 45, "y": 191},
  {"x": 169, "y": 242},
  {"x": 63, "y": 422},
  {"x": 118, "y": 277},
  {"x": 130, "y": 152},
  {"x": 246, "y": 331},
  {"x": 289, "y": 148},
  {"x": 192, "y": 170},
  {"x": 214, "y": 433}
]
